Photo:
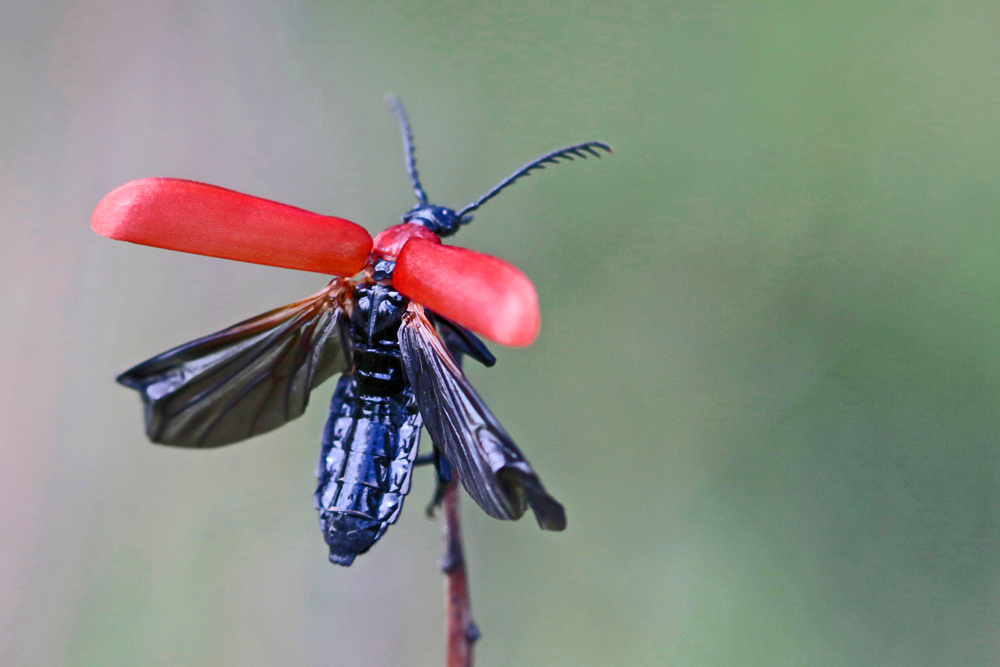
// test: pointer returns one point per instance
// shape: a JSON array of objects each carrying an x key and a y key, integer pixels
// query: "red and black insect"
[{"x": 396, "y": 333}]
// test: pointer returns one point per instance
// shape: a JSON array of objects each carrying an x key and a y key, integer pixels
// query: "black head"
[
  {"x": 440, "y": 220},
  {"x": 445, "y": 221}
]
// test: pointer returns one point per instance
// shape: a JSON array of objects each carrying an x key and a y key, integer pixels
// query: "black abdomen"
[{"x": 372, "y": 434}]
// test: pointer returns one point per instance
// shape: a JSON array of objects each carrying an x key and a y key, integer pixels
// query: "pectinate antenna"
[
  {"x": 568, "y": 153},
  {"x": 411, "y": 162}
]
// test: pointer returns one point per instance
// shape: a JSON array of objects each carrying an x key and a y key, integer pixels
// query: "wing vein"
[
  {"x": 244, "y": 380},
  {"x": 484, "y": 457}
]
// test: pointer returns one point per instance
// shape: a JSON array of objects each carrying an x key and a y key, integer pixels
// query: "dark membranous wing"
[
  {"x": 486, "y": 460},
  {"x": 247, "y": 379}
]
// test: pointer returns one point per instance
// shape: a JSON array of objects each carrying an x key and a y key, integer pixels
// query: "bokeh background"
[{"x": 767, "y": 386}]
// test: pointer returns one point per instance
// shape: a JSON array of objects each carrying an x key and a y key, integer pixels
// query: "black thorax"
[{"x": 378, "y": 312}]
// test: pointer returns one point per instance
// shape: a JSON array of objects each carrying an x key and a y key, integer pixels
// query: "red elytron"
[
  {"x": 395, "y": 324},
  {"x": 480, "y": 292}
]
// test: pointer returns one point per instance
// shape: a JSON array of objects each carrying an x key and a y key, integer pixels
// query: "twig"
[{"x": 462, "y": 632}]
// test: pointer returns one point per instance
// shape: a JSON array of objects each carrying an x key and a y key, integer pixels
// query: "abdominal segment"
[{"x": 364, "y": 469}]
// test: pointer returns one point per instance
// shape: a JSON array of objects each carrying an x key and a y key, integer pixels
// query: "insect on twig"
[{"x": 394, "y": 322}]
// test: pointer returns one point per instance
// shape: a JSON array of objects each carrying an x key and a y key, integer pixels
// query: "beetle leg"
[
  {"x": 444, "y": 477},
  {"x": 435, "y": 502},
  {"x": 462, "y": 341}
]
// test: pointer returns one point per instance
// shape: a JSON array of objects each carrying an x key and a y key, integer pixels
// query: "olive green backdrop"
[{"x": 767, "y": 384}]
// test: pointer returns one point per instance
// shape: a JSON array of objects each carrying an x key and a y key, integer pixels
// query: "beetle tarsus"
[
  {"x": 436, "y": 499},
  {"x": 472, "y": 633}
]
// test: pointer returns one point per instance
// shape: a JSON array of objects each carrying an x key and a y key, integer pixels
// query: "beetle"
[{"x": 394, "y": 322}]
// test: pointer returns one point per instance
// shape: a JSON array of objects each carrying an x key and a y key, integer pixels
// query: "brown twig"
[{"x": 462, "y": 632}]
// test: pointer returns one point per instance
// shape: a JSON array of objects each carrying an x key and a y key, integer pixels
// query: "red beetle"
[{"x": 396, "y": 333}]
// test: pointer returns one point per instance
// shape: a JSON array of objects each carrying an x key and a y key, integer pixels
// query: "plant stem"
[{"x": 462, "y": 632}]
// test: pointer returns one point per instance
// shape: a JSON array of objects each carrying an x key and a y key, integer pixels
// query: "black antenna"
[
  {"x": 568, "y": 153},
  {"x": 411, "y": 162}
]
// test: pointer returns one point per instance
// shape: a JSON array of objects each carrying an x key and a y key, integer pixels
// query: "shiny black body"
[
  {"x": 372, "y": 434},
  {"x": 401, "y": 372}
]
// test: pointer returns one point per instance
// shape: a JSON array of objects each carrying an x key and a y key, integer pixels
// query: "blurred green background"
[{"x": 768, "y": 380}]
